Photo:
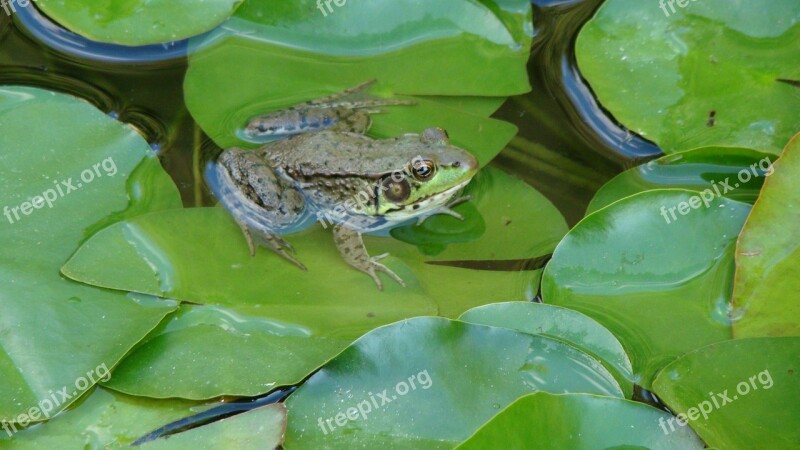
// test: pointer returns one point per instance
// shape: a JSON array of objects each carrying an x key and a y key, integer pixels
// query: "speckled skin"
[{"x": 362, "y": 184}]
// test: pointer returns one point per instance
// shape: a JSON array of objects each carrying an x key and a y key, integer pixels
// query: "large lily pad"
[
  {"x": 766, "y": 287},
  {"x": 303, "y": 318},
  {"x": 737, "y": 394},
  {"x": 104, "y": 419},
  {"x": 662, "y": 288},
  {"x": 710, "y": 73},
  {"x": 138, "y": 22},
  {"x": 261, "y": 61},
  {"x": 735, "y": 173},
  {"x": 562, "y": 324},
  {"x": 207, "y": 351},
  {"x": 423, "y": 370},
  {"x": 66, "y": 170},
  {"x": 579, "y": 422}
]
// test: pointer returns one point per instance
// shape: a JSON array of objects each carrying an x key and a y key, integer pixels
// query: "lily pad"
[
  {"x": 737, "y": 394},
  {"x": 305, "y": 318},
  {"x": 571, "y": 327},
  {"x": 578, "y": 422},
  {"x": 261, "y": 428},
  {"x": 699, "y": 73},
  {"x": 66, "y": 170},
  {"x": 766, "y": 287},
  {"x": 138, "y": 22},
  {"x": 734, "y": 173},
  {"x": 207, "y": 351},
  {"x": 407, "y": 377},
  {"x": 261, "y": 61},
  {"x": 662, "y": 288},
  {"x": 104, "y": 419}
]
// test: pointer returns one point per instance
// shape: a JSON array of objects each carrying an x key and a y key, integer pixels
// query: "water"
[{"x": 567, "y": 146}]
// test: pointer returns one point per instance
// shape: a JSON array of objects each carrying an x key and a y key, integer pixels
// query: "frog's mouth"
[{"x": 425, "y": 206}]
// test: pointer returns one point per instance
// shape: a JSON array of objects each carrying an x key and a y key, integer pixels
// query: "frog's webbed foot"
[
  {"x": 446, "y": 210},
  {"x": 351, "y": 247},
  {"x": 283, "y": 248},
  {"x": 273, "y": 241}
]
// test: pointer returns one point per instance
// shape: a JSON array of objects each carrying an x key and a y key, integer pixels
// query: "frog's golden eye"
[
  {"x": 396, "y": 191},
  {"x": 423, "y": 169}
]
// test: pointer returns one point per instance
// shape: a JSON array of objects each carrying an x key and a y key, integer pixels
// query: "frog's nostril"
[{"x": 457, "y": 164}]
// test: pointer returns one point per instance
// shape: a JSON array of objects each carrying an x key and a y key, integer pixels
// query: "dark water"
[{"x": 567, "y": 146}]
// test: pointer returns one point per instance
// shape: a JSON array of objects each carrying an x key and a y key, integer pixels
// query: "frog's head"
[{"x": 433, "y": 172}]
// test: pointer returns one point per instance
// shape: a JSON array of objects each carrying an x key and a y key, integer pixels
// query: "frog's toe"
[{"x": 378, "y": 267}]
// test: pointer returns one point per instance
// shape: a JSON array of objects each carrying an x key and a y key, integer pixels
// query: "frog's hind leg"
[
  {"x": 259, "y": 201},
  {"x": 352, "y": 249},
  {"x": 348, "y": 110},
  {"x": 332, "y": 99}
]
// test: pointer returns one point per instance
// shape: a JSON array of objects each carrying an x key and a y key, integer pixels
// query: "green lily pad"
[
  {"x": 737, "y": 394},
  {"x": 261, "y": 61},
  {"x": 138, "y": 22},
  {"x": 578, "y": 422},
  {"x": 766, "y": 286},
  {"x": 699, "y": 75},
  {"x": 261, "y": 428},
  {"x": 734, "y": 173},
  {"x": 662, "y": 288},
  {"x": 104, "y": 419},
  {"x": 571, "y": 327},
  {"x": 303, "y": 318},
  {"x": 66, "y": 170},
  {"x": 205, "y": 351},
  {"x": 434, "y": 382}
]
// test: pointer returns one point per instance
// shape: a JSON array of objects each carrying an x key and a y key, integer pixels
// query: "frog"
[{"x": 317, "y": 165}]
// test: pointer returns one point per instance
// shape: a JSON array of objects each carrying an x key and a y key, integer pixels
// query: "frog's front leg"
[
  {"x": 446, "y": 210},
  {"x": 351, "y": 246},
  {"x": 258, "y": 200}
]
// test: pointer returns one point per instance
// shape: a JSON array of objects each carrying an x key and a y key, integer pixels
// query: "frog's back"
[{"x": 331, "y": 153}]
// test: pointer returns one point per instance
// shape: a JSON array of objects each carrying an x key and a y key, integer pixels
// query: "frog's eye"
[
  {"x": 396, "y": 191},
  {"x": 423, "y": 169}
]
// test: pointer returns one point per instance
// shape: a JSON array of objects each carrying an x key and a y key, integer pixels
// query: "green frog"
[{"x": 320, "y": 167}]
